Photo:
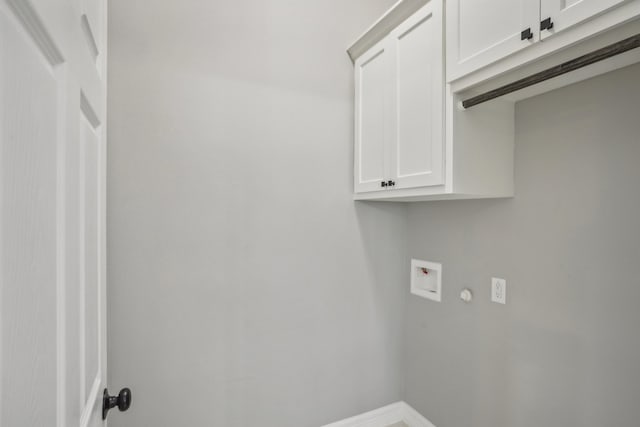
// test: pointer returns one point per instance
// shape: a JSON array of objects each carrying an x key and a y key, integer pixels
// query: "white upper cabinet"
[
  {"x": 417, "y": 157},
  {"x": 399, "y": 106},
  {"x": 497, "y": 36},
  {"x": 373, "y": 116},
  {"x": 482, "y": 32},
  {"x": 412, "y": 142},
  {"x": 414, "y": 75},
  {"x": 562, "y": 14}
]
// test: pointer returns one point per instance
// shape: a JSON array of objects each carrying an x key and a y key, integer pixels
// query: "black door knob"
[
  {"x": 383, "y": 184},
  {"x": 546, "y": 24},
  {"x": 391, "y": 183},
  {"x": 122, "y": 401}
]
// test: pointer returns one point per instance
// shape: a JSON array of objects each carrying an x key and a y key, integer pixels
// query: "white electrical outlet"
[{"x": 498, "y": 290}]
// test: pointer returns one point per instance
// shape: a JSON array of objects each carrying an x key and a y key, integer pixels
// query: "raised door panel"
[
  {"x": 372, "y": 77},
  {"x": 417, "y": 156},
  {"x": 566, "y": 13},
  {"x": 482, "y": 32}
]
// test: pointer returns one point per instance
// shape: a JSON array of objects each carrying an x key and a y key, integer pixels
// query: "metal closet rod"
[{"x": 566, "y": 67}]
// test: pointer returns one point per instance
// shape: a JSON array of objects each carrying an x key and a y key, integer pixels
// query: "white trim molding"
[
  {"x": 386, "y": 416},
  {"x": 413, "y": 418},
  {"x": 383, "y": 26}
]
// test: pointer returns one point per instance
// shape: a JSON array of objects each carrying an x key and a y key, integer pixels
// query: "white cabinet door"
[
  {"x": 372, "y": 118},
  {"x": 482, "y": 32},
  {"x": 417, "y": 151},
  {"x": 566, "y": 13},
  {"x": 52, "y": 212}
]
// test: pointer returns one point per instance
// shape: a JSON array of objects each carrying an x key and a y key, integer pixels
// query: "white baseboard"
[
  {"x": 413, "y": 418},
  {"x": 386, "y": 416}
]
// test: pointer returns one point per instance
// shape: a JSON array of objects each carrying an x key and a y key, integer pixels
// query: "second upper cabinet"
[
  {"x": 482, "y": 32},
  {"x": 558, "y": 15}
]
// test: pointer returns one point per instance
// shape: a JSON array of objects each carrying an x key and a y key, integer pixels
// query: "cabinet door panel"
[
  {"x": 417, "y": 156},
  {"x": 482, "y": 32},
  {"x": 372, "y": 117},
  {"x": 566, "y": 13}
]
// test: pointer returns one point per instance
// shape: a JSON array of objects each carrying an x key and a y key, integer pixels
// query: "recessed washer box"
[{"x": 426, "y": 279}]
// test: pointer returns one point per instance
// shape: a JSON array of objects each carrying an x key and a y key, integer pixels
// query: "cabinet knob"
[
  {"x": 383, "y": 184},
  {"x": 546, "y": 24},
  {"x": 391, "y": 183},
  {"x": 526, "y": 34}
]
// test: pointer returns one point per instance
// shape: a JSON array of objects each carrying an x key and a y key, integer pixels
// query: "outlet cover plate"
[{"x": 498, "y": 290}]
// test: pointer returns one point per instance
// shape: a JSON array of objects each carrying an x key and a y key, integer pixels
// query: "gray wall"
[
  {"x": 246, "y": 288},
  {"x": 565, "y": 349}
]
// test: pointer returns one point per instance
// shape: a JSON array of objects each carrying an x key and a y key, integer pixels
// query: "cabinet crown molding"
[{"x": 383, "y": 26}]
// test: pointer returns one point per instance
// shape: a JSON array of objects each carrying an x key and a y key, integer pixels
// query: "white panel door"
[
  {"x": 372, "y": 118},
  {"x": 52, "y": 212},
  {"x": 482, "y": 32},
  {"x": 566, "y": 13},
  {"x": 417, "y": 157}
]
